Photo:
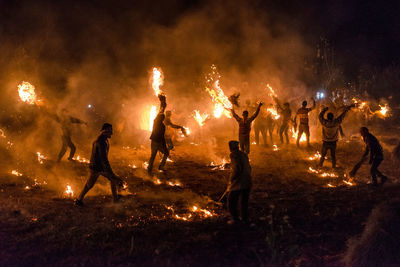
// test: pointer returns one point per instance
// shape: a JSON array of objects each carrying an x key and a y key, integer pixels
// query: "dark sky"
[{"x": 361, "y": 32}]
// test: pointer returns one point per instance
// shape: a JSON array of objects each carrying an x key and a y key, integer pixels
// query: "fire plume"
[
  {"x": 222, "y": 105},
  {"x": 16, "y": 173},
  {"x": 27, "y": 93},
  {"x": 157, "y": 80}
]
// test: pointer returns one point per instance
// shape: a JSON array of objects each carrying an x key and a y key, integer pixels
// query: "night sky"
[{"x": 360, "y": 32}]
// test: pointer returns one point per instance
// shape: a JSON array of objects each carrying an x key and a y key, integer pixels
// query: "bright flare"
[
  {"x": 383, "y": 111},
  {"x": 27, "y": 93},
  {"x": 69, "y": 191},
  {"x": 200, "y": 119},
  {"x": 40, "y": 157},
  {"x": 274, "y": 113},
  {"x": 157, "y": 80},
  {"x": 16, "y": 173}
]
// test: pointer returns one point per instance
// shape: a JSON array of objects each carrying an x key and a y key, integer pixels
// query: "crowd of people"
[{"x": 240, "y": 180}]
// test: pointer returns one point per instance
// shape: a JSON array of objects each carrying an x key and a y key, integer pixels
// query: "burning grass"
[{"x": 158, "y": 223}]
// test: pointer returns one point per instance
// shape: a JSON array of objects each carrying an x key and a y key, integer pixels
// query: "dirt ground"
[{"x": 297, "y": 218}]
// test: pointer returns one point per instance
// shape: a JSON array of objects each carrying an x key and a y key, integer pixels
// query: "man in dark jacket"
[
  {"x": 240, "y": 183},
  {"x": 66, "y": 122},
  {"x": 245, "y": 128},
  {"x": 99, "y": 165},
  {"x": 158, "y": 138},
  {"x": 374, "y": 148},
  {"x": 304, "y": 127}
]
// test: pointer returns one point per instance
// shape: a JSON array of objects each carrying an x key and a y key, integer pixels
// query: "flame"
[
  {"x": 200, "y": 119},
  {"x": 187, "y": 131},
  {"x": 16, "y": 173},
  {"x": 81, "y": 159},
  {"x": 360, "y": 104},
  {"x": 40, "y": 157},
  {"x": 383, "y": 111},
  {"x": 331, "y": 185},
  {"x": 157, "y": 80},
  {"x": 69, "y": 191},
  {"x": 147, "y": 118},
  {"x": 349, "y": 182},
  {"x": 174, "y": 183},
  {"x": 274, "y": 113},
  {"x": 133, "y": 166},
  {"x": 145, "y": 165},
  {"x": 220, "y": 166},
  {"x": 27, "y": 93},
  {"x": 222, "y": 105},
  {"x": 153, "y": 115},
  {"x": 322, "y": 174},
  {"x": 295, "y": 133},
  {"x": 316, "y": 156},
  {"x": 2, "y": 134},
  {"x": 275, "y": 147},
  {"x": 271, "y": 91}
]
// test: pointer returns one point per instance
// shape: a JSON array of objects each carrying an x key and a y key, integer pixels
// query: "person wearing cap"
[
  {"x": 330, "y": 133},
  {"x": 99, "y": 165},
  {"x": 157, "y": 138},
  {"x": 239, "y": 183},
  {"x": 245, "y": 127},
  {"x": 304, "y": 127},
  {"x": 374, "y": 149}
]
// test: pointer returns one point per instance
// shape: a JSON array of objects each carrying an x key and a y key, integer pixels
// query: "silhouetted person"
[
  {"x": 168, "y": 131},
  {"x": 286, "y": 117},
  {"x": 260, "y": 126},
  {"x": 330, "y": 133},
  {"x": 245, "y": 128},
  {"x": 304, "y": 127},
  {"x": 99, "y": 165},
  {"x": 270, "y": 123},
  {"x": 239, "y": 184},
  {"x": 374, "y": 149},
  {"x": 66, "y": 122},
  {"x": 157, "y": 137}
]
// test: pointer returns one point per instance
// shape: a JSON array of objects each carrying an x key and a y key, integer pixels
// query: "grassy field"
[{"x": 298, "y": 217}]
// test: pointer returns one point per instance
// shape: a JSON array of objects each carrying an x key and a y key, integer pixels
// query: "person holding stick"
[
  {"x": 374, "y": 149},
  {"x": 239, "y": 183}
]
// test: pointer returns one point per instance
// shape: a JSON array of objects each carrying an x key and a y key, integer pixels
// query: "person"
[
  {"x": 330, "y": 133},
  {"x": 66, "y": 122},
  {"x": 168, "y": 129},
  {"x": 286, "y": 117},
  {"x": 260, "y": 126},
  {"x": 374, "y": 149},
  {"x": 270, "y": 122},
  {"x": 239, "y": 183},
  {"x": 157, "y": 138},
  {"x": 99, "y": 165},
  {"x": 304, "y": 127},
  {"x": 245, "y": 127}
]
